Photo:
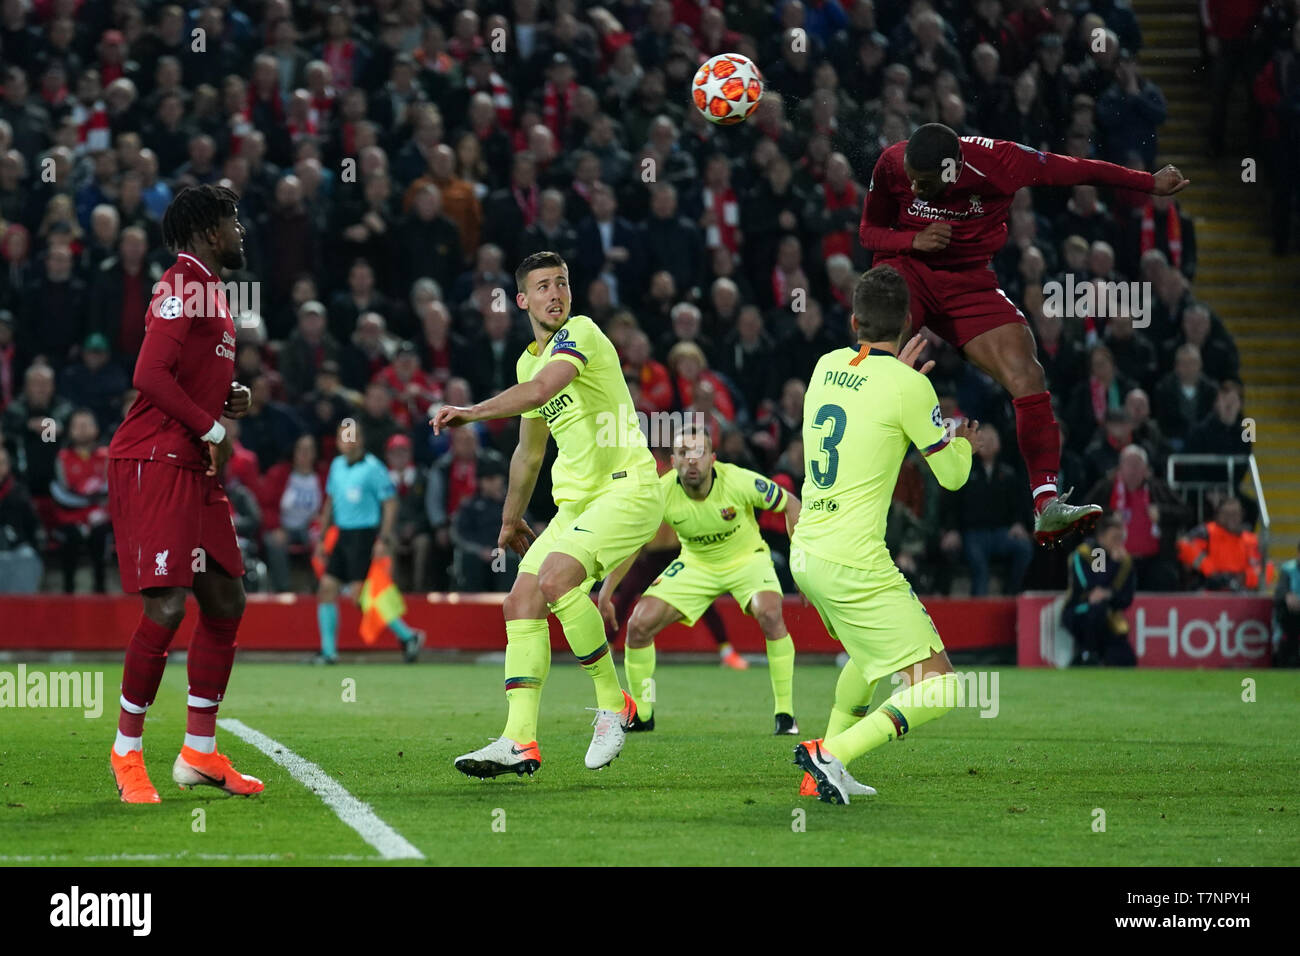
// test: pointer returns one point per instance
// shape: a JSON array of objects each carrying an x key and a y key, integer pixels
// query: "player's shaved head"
[
  {"x": 929, "y": 146},
  {"x": 880, "y": 305}
]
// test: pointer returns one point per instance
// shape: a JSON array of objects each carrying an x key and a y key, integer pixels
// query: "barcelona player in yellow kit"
[
  {"x": 710, "y": 507},
  {"x": 862, "y": 411},
  {"x": 609, "y": 500}
]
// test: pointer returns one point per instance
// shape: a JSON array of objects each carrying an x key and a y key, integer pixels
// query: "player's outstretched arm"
[
  {"x": 1054, "y": 169},
  {"x": 525, "y": 463},
  {"x": 524, "y": 397},
  {"x": 949, "y": 457}
]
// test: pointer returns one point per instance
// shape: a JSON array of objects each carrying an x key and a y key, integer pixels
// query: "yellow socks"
[
  {"x": 584, "y": 629},
  {"x": 528, "y": 661},
  {"x": 780, "y": 666},
  {"x": 639, "y": 662},
  {"x": 907, "y": 709}
]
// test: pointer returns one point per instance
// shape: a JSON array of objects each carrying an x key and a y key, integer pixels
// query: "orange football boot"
[
  {"x": 733, "y": 660},
  {"x": 808, "y": 786},
  {"x": 194, "y": 769},
  {"x": 133, "y": 784}
]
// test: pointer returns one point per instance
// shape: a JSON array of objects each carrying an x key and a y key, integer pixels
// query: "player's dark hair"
[
  {"x": 538, "y": 260},
  {"x": 929, "y": 146},
  {"x": 880, "y": 304},
  {"x": 692, "y": 428},
  {"x": 1109, "y": 523},
  {"x": 194, "y": 211}
]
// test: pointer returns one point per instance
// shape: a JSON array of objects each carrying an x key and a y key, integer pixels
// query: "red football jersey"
[
  {"x": 184, "y": 369},
  {"x": 978, "y": 203}
]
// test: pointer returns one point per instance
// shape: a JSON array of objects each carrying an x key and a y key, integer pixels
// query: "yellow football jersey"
[
  {"x": 721, "y": 528},
  {"x": 862, "y": 410},
  {"x": 593, "y": 419}
]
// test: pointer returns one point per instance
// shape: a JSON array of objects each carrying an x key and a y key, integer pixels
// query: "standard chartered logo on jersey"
[{"x": 629, "y": 428}]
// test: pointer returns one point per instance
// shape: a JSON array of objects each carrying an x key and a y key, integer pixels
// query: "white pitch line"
[{"x": 359, "y": 816}]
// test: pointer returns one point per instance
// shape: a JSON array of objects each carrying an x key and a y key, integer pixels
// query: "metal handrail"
[{"x": 1230, "y": 461}]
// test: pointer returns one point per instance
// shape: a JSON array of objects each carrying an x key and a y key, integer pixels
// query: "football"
[{"x": 727, "y": 88}]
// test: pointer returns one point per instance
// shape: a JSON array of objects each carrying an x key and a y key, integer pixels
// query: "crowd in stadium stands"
[{"x": 395, "y": 159}]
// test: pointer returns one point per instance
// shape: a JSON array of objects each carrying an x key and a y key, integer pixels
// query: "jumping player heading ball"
[{"x": 936, "y": 211}]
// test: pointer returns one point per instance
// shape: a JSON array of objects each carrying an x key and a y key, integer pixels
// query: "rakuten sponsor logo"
[{"x": 1161, "y": 635}]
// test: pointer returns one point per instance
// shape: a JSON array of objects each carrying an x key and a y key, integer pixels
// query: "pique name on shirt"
[{"x": 849, "y": 380}]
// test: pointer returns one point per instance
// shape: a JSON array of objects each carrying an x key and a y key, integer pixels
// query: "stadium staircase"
[{"x": 1256, "y": 294}]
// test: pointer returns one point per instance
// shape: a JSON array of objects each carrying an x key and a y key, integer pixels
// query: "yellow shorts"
[
  {"x": 875, "y": 615},
  {"x": 601, "y": 531},
  {"x": 691, "y": 586}
]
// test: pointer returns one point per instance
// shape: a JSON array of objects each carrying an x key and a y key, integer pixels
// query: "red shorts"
[
  {"x": 955, "y": 304},
  {"x": 168, "y": 523}
]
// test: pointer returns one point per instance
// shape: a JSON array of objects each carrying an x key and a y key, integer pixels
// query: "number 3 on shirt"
[{"x": 823, "y": 476}]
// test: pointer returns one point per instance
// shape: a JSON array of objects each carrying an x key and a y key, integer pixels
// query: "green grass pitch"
[{"x": 1185, "y": 770}]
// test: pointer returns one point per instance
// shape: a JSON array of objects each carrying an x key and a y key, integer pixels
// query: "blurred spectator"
[
  {"x": 1135, "y": 357},
  {"x": 1183, "y": 397},
  {"x": 1128, "y": 114},
  {"x": 325, "y": 406},
  {"x": 479, "y": 564},
  {"x": 453, "y": 481},
  {"x": 1102, "y": 391},
  {"x": 53, "y": 311},
  {"x": 689, "y": 368},
  {"x": 412, "y": 538},
  {"x": 1152, "y": 516},
  {"x": 95, "y": 382},
  {"x": 291, "y": 496},
  {"x": 653, "y": 379},
  {"x": 1222, "y": 555},
  {"x": 495, "y": 352},
  {"x": 1286, "y": 615},
  {"x": 986, "y": 518},
  {"x": 442, "y": 351},
  {"x": 1137, "y": 406},
  {"x": 270, "y": 428},
  {"x": 413, "y": 391},
  {"x": 34, "y": 423},
  {"x": 1160, "y": 224},
  {"x": 361, "y": 298},
  {"x": 80, "y": 492},
  {"x": 367, "y": 351},
  {"x": 10, "y": 370},
  {"x": 1062, "y": 357},
  {"x": 20, "y": 534},
  {"x": 610, "y": 247},
  {"x": 1100, "y": 587},
  {"x": 307, "y": 349},
  {"x": 1102, "y": 454},
  {"x": 376, "y": 417},
  {"x": 747, "y": 356},
  {"x": 1222, "y": 432},
  {"x": 672, "y": 242},
  {"x": 1227, "y": 26},
  {"x": 120, "y": 294},
  {"x": 1219, "y": 360},
  {"x": 428, "y": 242}
]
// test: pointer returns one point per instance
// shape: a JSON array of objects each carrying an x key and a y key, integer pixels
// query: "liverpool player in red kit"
[
  {"x": 936, "y": 211},
  {"x": 171, "y": 519}
]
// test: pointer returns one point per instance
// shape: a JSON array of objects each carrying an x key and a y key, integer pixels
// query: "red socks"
[
  {"x": 1040, "y": 444},
  {"x": 146, "y": 656},
  {"x": 211, "y": 656}
]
